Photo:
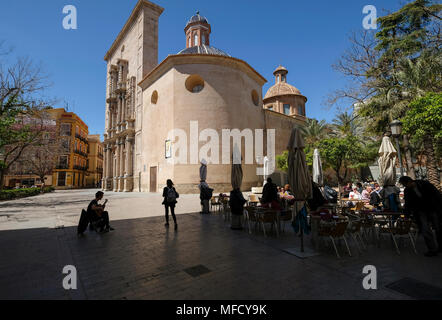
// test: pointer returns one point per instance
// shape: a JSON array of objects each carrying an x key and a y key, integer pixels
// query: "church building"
[{"x": 189, "y": 99}]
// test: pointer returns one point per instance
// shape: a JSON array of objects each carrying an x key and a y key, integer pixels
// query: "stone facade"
[{"x": 133, "y": 55}]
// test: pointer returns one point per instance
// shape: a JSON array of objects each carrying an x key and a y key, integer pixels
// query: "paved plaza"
[{"x": 203, "y": 259}]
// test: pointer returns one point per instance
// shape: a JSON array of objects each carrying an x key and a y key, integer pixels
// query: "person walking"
[
  {"x": 170, "y": 195},
  {"x": 424, "y": 202}
]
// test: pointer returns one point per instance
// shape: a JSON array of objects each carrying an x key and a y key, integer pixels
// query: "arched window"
[
  {"x": 204, "y": 39},
  {"x": 196, "y": 39},
  {"x": 287, "y": 109},
  {"x": 300, "y": 111}
]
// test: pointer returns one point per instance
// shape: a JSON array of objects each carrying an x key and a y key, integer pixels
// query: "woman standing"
[{"x": 170, "y": 195}]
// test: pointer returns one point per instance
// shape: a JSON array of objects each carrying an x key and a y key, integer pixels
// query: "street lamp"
[{"x": 396, "y": 131}]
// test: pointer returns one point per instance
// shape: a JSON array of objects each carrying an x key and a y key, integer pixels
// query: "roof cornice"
[
  {"x": 178, "y": 59},
  {"x": 130, "y": 21}
]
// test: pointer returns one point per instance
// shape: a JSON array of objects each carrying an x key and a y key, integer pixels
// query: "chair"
[
  {"x": 268, "y": 216},
  {"x": 354, "y": 230},
  {"x": 359, "y": 206},
  {"x": 285, "y": 216},
  {"x": 368, "y": 225},
  {"x": 250, "y": 216},
  {"x": 334, "y": 230},
  {"x": 400, "y": 229},
  {"x": 214, "y": 202},
  {"x": 226, "y": 212},
  {"x": 253, "y": 200}
]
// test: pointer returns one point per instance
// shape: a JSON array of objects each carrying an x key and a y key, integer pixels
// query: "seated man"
[
  {"x": 270, "y": 195},
  {"x": 96, "y": 211}
]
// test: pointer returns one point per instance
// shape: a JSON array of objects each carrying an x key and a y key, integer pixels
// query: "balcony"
[
  {"x": 62, "y": 166},
  {"x": 81, "y": 153},
  {"x": 81, "y": 138},
  {"x": 76, "y": 167}
]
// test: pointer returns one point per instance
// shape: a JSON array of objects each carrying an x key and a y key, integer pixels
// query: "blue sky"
[{"x": 304, "y": 36}]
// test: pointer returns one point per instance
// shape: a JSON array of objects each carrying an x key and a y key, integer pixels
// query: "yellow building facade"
[
  {"x": 72, "y": 165},
  {"x": 95, "y": 161}
]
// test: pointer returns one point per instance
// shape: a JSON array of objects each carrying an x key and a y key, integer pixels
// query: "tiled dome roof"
[
  {"x": 281, "y": 89},
  {"x": 203, "y": 49},
  {"x": 197, "y": 18},
  {"x": 279, "y": 69}
]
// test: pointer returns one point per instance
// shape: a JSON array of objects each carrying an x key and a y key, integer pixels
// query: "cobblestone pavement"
[{"x": 144, "y": 260}]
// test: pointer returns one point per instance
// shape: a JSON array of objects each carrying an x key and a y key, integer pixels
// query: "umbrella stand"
[{"x": 300, "y": 252}]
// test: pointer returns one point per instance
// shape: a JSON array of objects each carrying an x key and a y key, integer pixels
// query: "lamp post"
[{"x": 396, "y": 130}]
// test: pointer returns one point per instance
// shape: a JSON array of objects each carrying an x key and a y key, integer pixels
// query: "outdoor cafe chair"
[
  {"x": 214, "y": 202},
  {"x": 334, "y": 230},
  {"x": 253, "y": 200},
  {"x": 400, "y": 229},
  {"x": 268, "y": 217},
  {"x": 250, "y": 217},
  {"x": 368, "y": 226},
  {"x": 359, "y": 206},
  {"x": 354, "y": 231},
  {"x": 284, "y": 216}
]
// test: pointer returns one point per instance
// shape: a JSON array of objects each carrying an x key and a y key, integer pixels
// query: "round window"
[
  {"x": 255, "y": 97},
  {"x": 194, "y": 83},
  {"x": 154, "y": 98}
]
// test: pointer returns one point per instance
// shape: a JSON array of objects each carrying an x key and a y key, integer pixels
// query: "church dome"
[
  {"x": 197, "y": 18},
  {"x": 281, "y": 89},
  {"x": 204, "y": 49}
]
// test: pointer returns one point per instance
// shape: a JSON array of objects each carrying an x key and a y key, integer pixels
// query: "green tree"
[
  {"x": 20, "y": 118},
  {"x": 314, "y": 131},
  {"x": 423, "y": 121}
]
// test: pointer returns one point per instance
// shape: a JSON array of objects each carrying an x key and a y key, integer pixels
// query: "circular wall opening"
[
  {"x": 255, "y": 97},
  {"x": 194, "y": 83},
  {"x": 154, "y": 98}
]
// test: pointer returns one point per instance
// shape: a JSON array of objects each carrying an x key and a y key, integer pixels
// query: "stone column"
[
  {"x": 117, "y": 166},
  {"x": 121, "y": 166},
  {"x": 128, "y": 178},
  {"x": 109, "y": 165}
]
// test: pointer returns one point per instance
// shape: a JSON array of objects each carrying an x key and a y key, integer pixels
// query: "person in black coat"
[
  {"x": 170, "y": 195},
  {"x": 236, "y": 202},
  {"x": 424, "y": 202},
  {"x": 269, "y": 193}
]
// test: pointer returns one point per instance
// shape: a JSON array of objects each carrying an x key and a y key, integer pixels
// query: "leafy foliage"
[{"x": 424, "y": 117}]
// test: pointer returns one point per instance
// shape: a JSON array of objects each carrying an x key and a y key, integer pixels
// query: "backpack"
[{"x": 171, "y": 196}]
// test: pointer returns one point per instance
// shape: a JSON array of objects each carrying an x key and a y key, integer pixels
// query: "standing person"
[
  {"x": 236, "y": 203},
  {"x": 170, "y": 195},
  {"x": 205, "y": 196},
  {"x": 424, "y": 202}
]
